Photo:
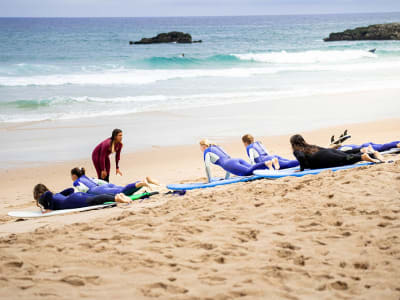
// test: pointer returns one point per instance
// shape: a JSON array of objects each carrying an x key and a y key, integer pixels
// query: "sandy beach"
[{"x": 328, "y": 236}]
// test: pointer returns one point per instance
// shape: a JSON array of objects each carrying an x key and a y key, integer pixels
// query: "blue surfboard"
[
  {"x": 296, "y": 173},
  {"x": 193, "y": 186}
]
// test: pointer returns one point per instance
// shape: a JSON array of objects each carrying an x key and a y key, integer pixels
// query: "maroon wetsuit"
[{"x": 100, "y": 157}]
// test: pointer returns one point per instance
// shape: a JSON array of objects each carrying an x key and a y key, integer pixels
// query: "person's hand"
[
  {"x": 103, "y": 174},
  {"x": 118, "y": 172}
]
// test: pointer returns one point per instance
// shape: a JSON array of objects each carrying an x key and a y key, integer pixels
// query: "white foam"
[{"x": 306, "y": 57}]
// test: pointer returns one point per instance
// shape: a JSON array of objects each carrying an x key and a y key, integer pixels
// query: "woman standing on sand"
[
  {"x": 101, "y": 153},
  {"x": 315, "y": 157}
]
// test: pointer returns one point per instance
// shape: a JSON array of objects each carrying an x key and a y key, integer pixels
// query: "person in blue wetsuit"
[
  {"x": 371, "y": 146},
  {"x": 68, "y": 199},
  {"x": 94, "y": 186},
  {"x": 257, "y": 153},
  {"x": 214, "y": 154}
]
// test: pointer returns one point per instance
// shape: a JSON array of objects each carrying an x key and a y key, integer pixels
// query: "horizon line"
[{"x": 203, "y": 16}]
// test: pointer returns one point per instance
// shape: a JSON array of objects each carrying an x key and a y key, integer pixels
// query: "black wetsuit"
[{"x": 326, "y": 158}]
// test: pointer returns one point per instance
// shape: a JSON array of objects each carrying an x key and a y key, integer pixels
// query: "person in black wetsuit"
[{"x": 315, "y": 157}]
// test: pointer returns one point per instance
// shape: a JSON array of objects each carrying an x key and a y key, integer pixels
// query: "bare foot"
[
  {"x": 398, "y": 145},
  {"x": 366, "y": 157},
  {"x": 275, "y": 162},
  {"x": 121, "y": 198},
  {"x": 379, "y": 156},
  {"x": 268, "y": 164},
  {"x": 152, "y": 181}
]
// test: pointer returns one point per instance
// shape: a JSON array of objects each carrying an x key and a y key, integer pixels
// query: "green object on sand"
[{"x": 143, "y": 195}]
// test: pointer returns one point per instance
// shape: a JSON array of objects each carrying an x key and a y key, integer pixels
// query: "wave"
[
  {"x": 140, "y": 77},
  {"x": 306, "y": 57},
  {"x": 66, "y": 108}
]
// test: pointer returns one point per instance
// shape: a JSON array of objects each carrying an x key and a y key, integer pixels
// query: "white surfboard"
[{"x": 38, "y": 213}]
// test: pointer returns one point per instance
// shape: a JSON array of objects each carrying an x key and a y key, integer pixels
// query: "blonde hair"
[{"x": 206, "y": 142}]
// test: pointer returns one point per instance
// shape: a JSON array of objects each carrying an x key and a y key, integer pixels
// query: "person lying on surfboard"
[
  {"x": 315, "y": 157},
  {"x": 95, "y": 186},
  {"x": 68, "y": 199},
  {"x": 214, "y": 154},
  {"x": 257, "y": 153}
]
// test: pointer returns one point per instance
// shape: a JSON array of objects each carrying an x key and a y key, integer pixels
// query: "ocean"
[
  {"x": 65, "y": 83},
  {"x": 73, "y": 68}
]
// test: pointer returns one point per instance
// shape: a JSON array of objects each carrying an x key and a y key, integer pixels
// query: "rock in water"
[
  {"x": 170, "y": 37},
  {"x": 390, "y": 31}
]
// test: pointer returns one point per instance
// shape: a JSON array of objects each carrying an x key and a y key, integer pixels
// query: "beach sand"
[{"x": 328, "y": 236}]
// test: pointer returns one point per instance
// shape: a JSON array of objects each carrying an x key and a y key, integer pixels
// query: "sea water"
[{"x": 74, "y": 69}]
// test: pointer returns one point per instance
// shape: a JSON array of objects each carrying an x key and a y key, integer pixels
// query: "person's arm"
[
  {"x": 81, "y": 188},
  {"x": 252, "y": 156},
  {"x": 301, "y": 157},
  {"x": 104, "y": 149},
  {"x": 67, "y": 192},
  {"x": 207, "y": 163},
  {"x": 117, "y": 158}
]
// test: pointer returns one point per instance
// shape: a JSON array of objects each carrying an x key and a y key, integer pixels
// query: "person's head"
[
  {"x": 299, "y": 144},
  {"x": 204, "y": 144},
  {"x": 76, "y": 173},
  {"x": 38, "y": 192},
  {"x": 247, "y": 139},
  {"x": 116, "y": 136}
]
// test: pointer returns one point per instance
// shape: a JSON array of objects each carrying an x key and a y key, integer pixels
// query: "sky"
[{"x": 148, "y": 8}]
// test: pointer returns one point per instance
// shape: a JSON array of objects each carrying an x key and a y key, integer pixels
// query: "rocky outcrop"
[
  {"x": 390, "y": 31},
  {"x": 170, "y": 37}
]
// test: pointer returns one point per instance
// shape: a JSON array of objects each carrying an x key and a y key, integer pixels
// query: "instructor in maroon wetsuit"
[{"x": 101, "y": 153}]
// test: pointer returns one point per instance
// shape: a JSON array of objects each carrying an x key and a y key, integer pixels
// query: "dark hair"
[
  {"x": 78, "y": 172},
  {"x": 114, "y": 134},
  {"x": 248, "y": 139},
  {"x": 39, "y": 190},
  {"x": 299, "y": 144}
]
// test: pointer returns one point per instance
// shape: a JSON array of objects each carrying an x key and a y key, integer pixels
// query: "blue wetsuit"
[
  {"x": 236, "y": 166},
  {"x": 258, "y": 152},
  {"x": 109, "y": 188},
  {"x": 67, "y": 199},
  {"x": 376, "y": 147}
]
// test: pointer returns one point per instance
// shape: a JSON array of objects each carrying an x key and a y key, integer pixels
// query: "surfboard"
[
  {"x": 38, "y": 214},
  {"x": 193, "y": 186},
  {"x": 391, "y": 151},
  {"x": 296, "y": 173}
]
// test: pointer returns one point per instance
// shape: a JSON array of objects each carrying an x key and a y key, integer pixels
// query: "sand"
[{"x": 326, "y": 236}]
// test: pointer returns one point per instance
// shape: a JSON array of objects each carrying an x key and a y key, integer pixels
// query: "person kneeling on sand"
[
  {"x": 315, "y": 157},
  {"x": 257, "y": 153},
  {"x": 68, "y": 199},
  {"x": 95, "y": 186}
]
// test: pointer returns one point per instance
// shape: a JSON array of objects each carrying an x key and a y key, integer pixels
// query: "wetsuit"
[
  {"x": 376, "y": 147},
  {"x": 257, "y": 153},
  {"x": 101, "y": 160},
  {"x": 326, "y": 158},
  {"x": 237, "y": 166},
  {"x": 98, "y": 187},
  {"x": 67, "y": 199}
]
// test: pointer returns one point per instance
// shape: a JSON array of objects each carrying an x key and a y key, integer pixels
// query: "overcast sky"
[{"x": 143, "y": 8}]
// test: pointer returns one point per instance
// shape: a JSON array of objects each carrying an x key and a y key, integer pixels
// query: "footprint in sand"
[
  {"x": 159, "y": 289},
  {"x": 339, "y": 285}
]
